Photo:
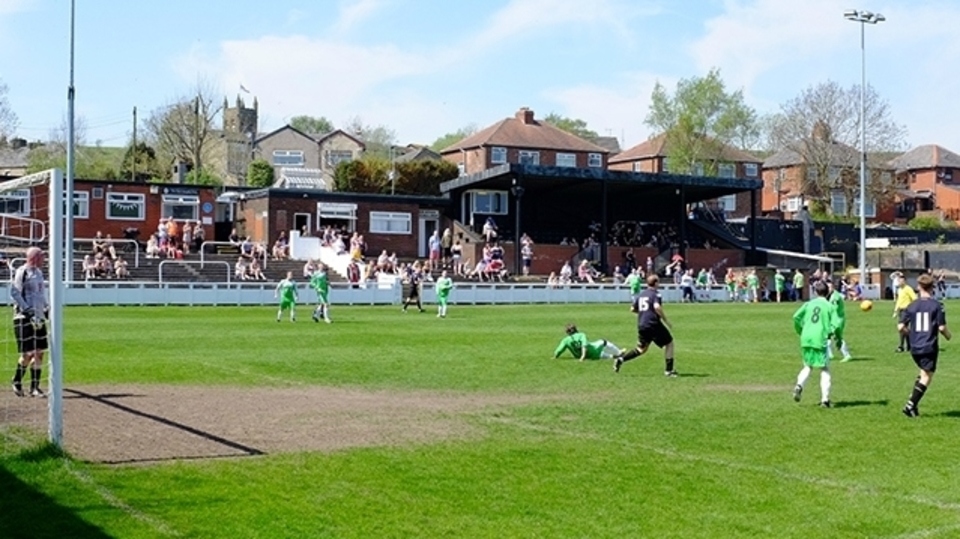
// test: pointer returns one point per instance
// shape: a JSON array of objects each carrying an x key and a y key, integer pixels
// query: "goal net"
[{"x": 31, "y": 218}]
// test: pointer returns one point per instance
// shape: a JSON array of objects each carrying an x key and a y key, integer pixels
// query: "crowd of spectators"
[{"x": 172, "y": 241}]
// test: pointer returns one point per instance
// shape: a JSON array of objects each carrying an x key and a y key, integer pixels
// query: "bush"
[{"x": 930, "y": 223}]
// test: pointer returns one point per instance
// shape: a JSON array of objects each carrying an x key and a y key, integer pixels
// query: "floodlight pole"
[
  {"x": 863, "y": 17},
  {"x": 67, "y": 201}
]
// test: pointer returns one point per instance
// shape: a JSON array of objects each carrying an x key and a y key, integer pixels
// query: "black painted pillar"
[
  {"x": 753, "y": 221},
  {"x": 517, "y": 192},
  {"x": 682, "y": 249},
  {"x": 603, "y": 227}
]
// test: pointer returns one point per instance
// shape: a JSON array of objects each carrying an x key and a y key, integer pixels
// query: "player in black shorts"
[
  {"x": 652, "y": 327},
  {"x": 413, "y": 296},
  {"x": 923, "y": 321},
  {"x": 30, "y": 306}
]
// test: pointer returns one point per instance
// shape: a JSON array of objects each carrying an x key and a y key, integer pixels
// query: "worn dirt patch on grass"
[{"x": 148, "y": 423}]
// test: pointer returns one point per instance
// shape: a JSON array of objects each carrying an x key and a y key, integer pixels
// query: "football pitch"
[{"x": 219, "y": 422}]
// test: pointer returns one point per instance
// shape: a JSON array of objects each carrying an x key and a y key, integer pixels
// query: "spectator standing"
[
  {"x": 566, "y": 273},
  {"x": 456, "y": 254},
  {"x": 353, "y": 274},
  {"x": 526, "y": 253},
  {"x": 30, "y": 308},
  {"x": 198, "y": 236},
  {"x": 446, "y": 246},
  {"x": 435, "y": 246},
  {"x": 187, "y": 237}
]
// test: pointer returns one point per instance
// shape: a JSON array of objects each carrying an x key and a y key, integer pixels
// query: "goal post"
[{"x": 33, "y": 209}]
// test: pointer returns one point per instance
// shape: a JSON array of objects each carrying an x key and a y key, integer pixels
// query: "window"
[
  {"x": 871, "y": 208},
  {"x": 566, "y": 159},
  {"x": 383, "y": 222},
  {"x": 838, "y": 203},
  {"x": 337, "y": 214},
  {"x": 637, "y": 167},
  {"x": 665, "y": 164},
  {"x": 751, "y": 170},
  {"x": 288, "y": 158},
  {"x": 335, "y": 157},
  {"x": 461, "y": 169},
  {"x": 490, "y": 202},
  {"x": 498, "y": 155},
  {"x": 181, "y": 207},
  {"x": 98, "y": 193},
  {"x": 728, "y": 203},
  {"x": 727, "y": 170},
  {"x": 595, "y": 160},
  {"x": 16, "y": 202},
  {"x": 81, "y": 205},
  {"x": 698, "y": 169},
  {"x": 812, "y": 175},
  {"x": 125, "y": 206},
  {"x": 834, "y": 174},
  {"x": 528, "y": 157},
  {"x": 794, "y": 204}
]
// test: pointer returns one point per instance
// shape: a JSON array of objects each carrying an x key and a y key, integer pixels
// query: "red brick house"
[
  {"x": 114, "y": 207},
  {"x": 930, "y": 176},
  {"x": 394, "y": 222},
  {"x": 652, "y": 156},
  {"x": 522, "y": 139}
]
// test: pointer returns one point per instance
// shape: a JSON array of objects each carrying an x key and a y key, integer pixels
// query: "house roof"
[
  {"x": 318, "y": 138},
  {"x": 926, "y": 156},
  {"x": 611, "y": 144},
  {"x": 300, "y": 178},
  {"x": 523, "y": 131},
  {"x": 14, "y": 157},
  {"x": 419, "y": 153},
  {"x": 287, "y": 127},
  {"x": 839, "y": 155},
  {"x": 658, "y": 146},
  {"x": 325, "y": 136}
]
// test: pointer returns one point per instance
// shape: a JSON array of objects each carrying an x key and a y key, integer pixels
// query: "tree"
[
  {"x": 445, "y": 141},
  {"x": 700, "y": 120},
  {"x": 379, "y": 140},
  {"x": 260, "y": 173},
  {"x": 184, "y": 130},
  {"x": 8, "y": 119},
  {"x": 311, "y": 125},
  {"x": 202, "y": 177},
  {"x": 93, "y": 162},
  {"x": 822, "y": 127},
  {"x": 573, "y": 126},
  {"x": 140, "y": 163},
  {"x": 423, "y": 177},
  {"x": 368, "y": 175}
]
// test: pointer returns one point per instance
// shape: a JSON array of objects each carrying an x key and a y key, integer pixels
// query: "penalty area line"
[{"x": 733, "y": 465}]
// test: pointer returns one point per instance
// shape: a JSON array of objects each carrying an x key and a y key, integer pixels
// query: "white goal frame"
[{"x": 56, "y": 248}]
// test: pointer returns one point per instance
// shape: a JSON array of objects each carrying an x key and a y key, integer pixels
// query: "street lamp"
[{"x": 863, "y": 17}]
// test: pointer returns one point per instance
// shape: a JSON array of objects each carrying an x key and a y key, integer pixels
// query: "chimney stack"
[
  {"x": 18, "y": 143},
  {"x": 525, "y": 115}
]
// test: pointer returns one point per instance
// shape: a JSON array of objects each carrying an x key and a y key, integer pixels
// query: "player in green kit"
[
  {"x": 797, "y": 286},
  {"x": 836, "y": 299},
  {"x": 577, "y": 344},
  {"x": 320, "y": 282},
  {"x": 753, "y": 286},
  {"x": 634, "y": 281},
  {"x": 815, "y": 321},
  {"x": 287, "y": 292},
  {"x": 779, "y": 284},
  {"x": 443, "y": 287}
]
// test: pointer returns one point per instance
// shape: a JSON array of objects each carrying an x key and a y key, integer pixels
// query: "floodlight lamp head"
[
  {"x": 878, "y": 18},
  {"x": 851, "y": 14}
]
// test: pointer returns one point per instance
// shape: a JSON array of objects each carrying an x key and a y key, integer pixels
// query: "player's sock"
[
  {"x": 279, "y": 314},
  {"x": 630, "y": 354},
  {"x": 326, "y": 313},
  {"x": 668, "y": 364},
  {"x": 825, "y": 379},
  {"x": 802, "y": 377},
  {"x": 35, "y": 379},
  {"x": 918, "y": 391},
  {"x": 829, "y": 348},
  {"x": 18, "y": 376},
  {"x": 844, "y": 349}
]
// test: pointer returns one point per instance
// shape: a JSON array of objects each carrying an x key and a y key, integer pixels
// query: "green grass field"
[{"x": 722, "y": 451}]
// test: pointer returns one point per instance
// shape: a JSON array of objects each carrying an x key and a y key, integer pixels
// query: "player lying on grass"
[{"x": 577, "y": 344}]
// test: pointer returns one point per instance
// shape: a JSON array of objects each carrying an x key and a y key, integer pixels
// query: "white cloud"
[
  {"x": 616, "y": 110},
  {"x": 8, "y": 7},
  {"x": 353, "y": 12}
]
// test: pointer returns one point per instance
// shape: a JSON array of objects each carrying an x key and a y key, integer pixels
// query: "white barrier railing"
[
  {"x": 13, "y": 227},
  {"x": 218, "y": 262},
  {"x": 226, "y": 243},
  {"x": 236, "y": 293},
  {"x": 136, "y": 246}
]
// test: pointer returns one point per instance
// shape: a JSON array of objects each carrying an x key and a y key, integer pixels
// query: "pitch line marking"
[{"x": 768, "y": 470}]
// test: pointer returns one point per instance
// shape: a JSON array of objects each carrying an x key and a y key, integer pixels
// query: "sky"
[{"x": 425, "y": 68}]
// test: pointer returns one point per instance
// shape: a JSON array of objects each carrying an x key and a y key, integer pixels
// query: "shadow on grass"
[
  {"x": 859, "y": 358},
  {"x": 854, "y": 404},
  {"x": 692, "y": 375},
  {"x": 952, "y": 413},
  {"x": 30, "y": 513}
]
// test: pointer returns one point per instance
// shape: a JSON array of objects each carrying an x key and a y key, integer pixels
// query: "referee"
[{"x": 29, "y": 321}]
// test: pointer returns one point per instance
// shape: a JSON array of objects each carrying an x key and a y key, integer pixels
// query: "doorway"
[
  {"x": 301, "y": 223},
  {"x": 429, "y": 222}
]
